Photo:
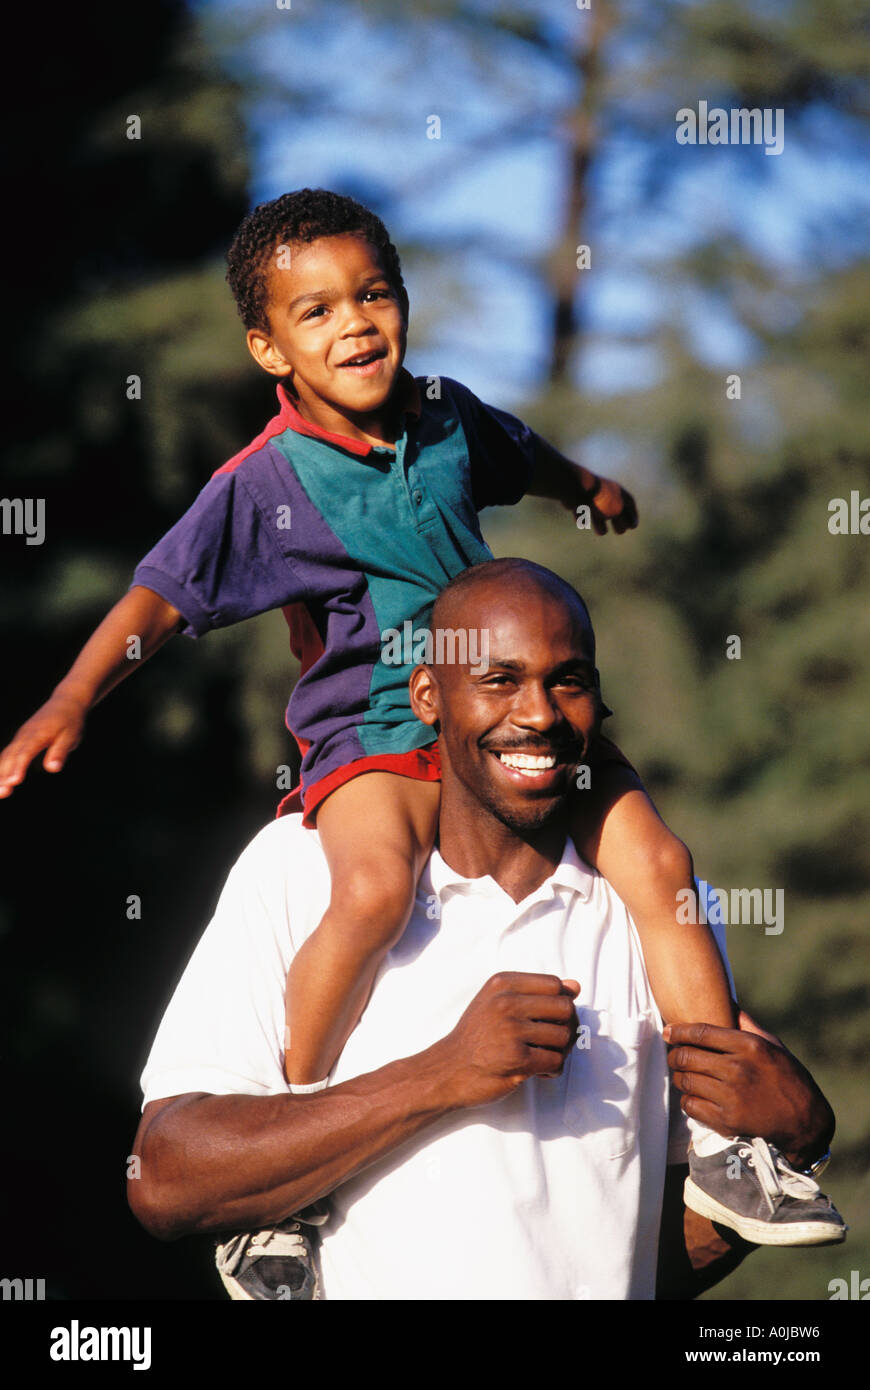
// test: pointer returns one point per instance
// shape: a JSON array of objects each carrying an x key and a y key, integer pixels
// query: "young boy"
[{"x": 350, "y": 512}]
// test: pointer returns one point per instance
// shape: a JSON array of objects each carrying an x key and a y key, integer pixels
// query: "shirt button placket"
[{"x": 404, "y": 480}]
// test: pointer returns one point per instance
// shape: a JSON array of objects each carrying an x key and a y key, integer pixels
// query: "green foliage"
[{"x": 760, "y": 763}]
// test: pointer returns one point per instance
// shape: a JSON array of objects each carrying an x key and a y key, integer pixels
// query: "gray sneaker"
[
  {"x": 752, "y": 1189},
  {"x": 271, "y": 1264}
]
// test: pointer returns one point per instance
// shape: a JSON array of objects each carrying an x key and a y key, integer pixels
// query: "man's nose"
[{"x": 535, "y": 708}]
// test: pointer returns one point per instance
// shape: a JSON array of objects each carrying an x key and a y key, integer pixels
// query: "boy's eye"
[{"x": 320, "y": 309}]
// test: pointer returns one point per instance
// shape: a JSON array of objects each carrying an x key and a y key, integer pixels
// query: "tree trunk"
[{"x": 582, "y": 136}]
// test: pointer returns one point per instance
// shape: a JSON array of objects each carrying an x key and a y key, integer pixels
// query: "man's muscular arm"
[
  {"x": 212, "y": 1163},
  {"x": 737, "y": 1082}
]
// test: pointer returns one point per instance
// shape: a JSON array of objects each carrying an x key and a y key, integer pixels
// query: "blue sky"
[{"x": 491, "y": 212}]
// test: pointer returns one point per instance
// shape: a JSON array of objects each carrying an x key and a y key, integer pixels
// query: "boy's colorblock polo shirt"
[{"x": 351, "y": 540}]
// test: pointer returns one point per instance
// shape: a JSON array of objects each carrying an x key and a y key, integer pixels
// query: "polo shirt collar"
[
  {"x": 409, "y": 402},
  {"x": 571, "y": 873}
]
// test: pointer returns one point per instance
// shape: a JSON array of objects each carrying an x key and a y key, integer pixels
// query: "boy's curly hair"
[{"x": 303, "y": 216}]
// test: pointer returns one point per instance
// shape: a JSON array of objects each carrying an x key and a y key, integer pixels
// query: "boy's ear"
[
  {"x": 423, "y": 691},
  {"x": 266, "y": 354}
]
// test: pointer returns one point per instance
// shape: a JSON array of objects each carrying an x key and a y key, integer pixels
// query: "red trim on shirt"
[
  {"x": 277, "y": 425},
  {"x": 409, "y": 400},
  {"x": 305, "y": 642},
  {"x": 290, "y": 419},
  {"x": 296, "y": 422},
  {"x": 421, "y": 764}
]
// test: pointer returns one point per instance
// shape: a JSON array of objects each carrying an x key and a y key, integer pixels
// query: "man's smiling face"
[
  {"x": 514, "y": 735},
  {"x": 337, "y": 331}
]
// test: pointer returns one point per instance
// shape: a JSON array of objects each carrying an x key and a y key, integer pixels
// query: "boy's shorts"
[{"x": 423, "y": 764}]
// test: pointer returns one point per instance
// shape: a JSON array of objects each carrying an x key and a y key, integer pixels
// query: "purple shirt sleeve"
[
  {"x": 501, "y": 450},
  {"x": 223, "y": 561}
]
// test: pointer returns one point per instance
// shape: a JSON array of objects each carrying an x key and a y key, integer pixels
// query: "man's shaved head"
[
  {"x": 502, "y": 577},
  {"x": 514, "y": 726}
]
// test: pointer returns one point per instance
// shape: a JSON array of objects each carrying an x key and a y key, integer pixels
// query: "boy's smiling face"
[{"x": 337, "y": 334}]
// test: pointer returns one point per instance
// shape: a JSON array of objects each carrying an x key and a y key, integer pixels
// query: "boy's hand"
[
  {"x": 573, "y": 485},
  {"x": 103, "y": 662},
  {"x": 57, "y": 726},
  {"x": 609, "y": 501}
]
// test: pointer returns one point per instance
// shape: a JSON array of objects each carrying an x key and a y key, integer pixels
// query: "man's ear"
[
  {"x": 605, "y": 711},
  {"x": 266, "y": 354},
  {"x": 424, "y": 693}
]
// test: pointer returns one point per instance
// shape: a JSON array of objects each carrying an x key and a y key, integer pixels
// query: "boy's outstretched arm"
[
  {"x": 104, "y": 661},
  {"x": 573, "y": 485}
]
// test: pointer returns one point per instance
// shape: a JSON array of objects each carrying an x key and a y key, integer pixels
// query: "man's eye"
[
  {"x": 376, "y": 294},
  {"x": 315, "y": 312}
]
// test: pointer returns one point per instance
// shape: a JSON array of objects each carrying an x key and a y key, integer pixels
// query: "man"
[{"x": 516, "y": 1153}]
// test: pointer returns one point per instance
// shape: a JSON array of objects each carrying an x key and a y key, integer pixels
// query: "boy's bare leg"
[
  {"x": 619, "y": 830},
  {"x": 616, "y": 827},
  {"x": 377, "y": 832}
]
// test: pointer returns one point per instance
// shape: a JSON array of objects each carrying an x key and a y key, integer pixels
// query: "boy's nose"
[{"x": 354, "y": 322}]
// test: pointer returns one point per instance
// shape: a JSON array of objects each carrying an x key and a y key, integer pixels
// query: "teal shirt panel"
[{"x": 408, "y": 517}]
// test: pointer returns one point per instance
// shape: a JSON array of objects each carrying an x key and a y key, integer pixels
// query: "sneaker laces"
[
  {"x": 283, "y": 1240},
  {"x": 776, "y": 1177}
]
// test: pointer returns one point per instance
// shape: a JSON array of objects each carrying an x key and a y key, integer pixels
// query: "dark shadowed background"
[{"x": 555, "y": 130}]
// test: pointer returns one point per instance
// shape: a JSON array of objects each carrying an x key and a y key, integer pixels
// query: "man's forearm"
[
  {"x": 211, "y": 1163},
  {"x": 215, "y": 1163}
]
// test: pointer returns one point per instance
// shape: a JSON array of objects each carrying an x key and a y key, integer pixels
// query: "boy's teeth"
[{"x": 524, "y": 762}]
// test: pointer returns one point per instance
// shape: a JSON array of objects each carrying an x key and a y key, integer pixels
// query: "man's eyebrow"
[
  {"x": 574, "y": 663},
  {"x": 506, "y": 664},
  {"x": 582, "y": 664}
]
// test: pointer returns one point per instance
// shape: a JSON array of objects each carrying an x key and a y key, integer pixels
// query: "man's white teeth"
[
  {"x": 523, "y": 762},
  {"x": 361, "y": 360}
]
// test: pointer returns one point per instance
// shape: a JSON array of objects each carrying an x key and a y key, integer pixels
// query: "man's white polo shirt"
[{"x": 553, "y": 1192}]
